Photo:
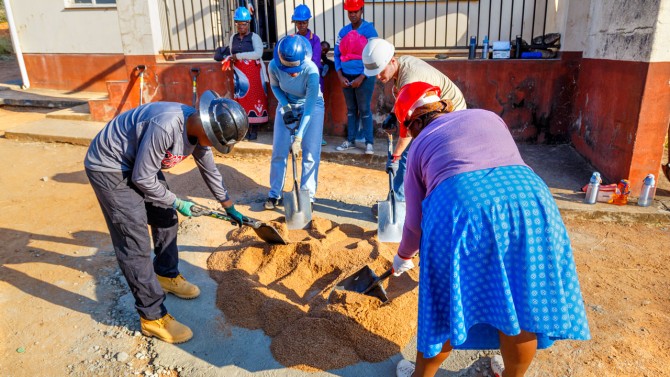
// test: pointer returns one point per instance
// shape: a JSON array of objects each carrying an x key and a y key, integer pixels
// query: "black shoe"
[
  {"x": 666, "y": 171},
  {"x": 271, "y": 203},
  {"x": 375, "y": 209},
  {"x": 252, "y": 136}
]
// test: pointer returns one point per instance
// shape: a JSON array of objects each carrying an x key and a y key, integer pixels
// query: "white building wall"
[
  {"x": 46, "y": 26},
  {"x": 661, "y": 49},
  {"x": 139, "y": 26},
  {"x": 626, "y": 30}
]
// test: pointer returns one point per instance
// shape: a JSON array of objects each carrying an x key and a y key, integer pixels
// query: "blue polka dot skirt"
[{"x": 495, "y": 255}]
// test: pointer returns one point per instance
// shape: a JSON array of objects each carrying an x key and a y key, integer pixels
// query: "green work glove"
[
  {"x": 183, "y": 206},
  {"x": 234, "y": 214}
]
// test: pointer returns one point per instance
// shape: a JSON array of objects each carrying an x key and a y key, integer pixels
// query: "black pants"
[{"x": 127, "y": 216}]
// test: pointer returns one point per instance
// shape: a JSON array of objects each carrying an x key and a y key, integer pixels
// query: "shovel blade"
[
  {"x": 297, "y": 209},
  {"x": 269, "y": 234},
  {"x": 361, "y": 281},
  {"x": 389, "y": 228}
]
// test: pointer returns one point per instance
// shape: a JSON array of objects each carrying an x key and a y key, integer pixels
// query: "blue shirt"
[{"x": 302, "y": 90}]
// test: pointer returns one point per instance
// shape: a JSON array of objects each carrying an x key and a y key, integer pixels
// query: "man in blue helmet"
[
  {"x": 294, "y": 80},
  {"x": 124, "y": 165}
]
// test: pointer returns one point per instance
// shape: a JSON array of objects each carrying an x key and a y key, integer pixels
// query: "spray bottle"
[
  {"x": 485, "y": 48},
  {"x": 647, "y": 191},
  {"x": 473, "y": 47},
  {"x": 592, "y": 189}
]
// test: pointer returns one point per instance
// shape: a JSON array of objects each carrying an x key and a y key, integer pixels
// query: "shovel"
[
  {"x": 297, "y": 206},
  {"x": 391, "y": 213},
  {"x": 263, "y": 231},
  {"x": 194, "y": 78},
  {"x": 141, "y": 68},
  {"x": 365, "y": 281}
]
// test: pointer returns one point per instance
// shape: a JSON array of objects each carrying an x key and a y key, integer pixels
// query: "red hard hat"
[
  {"x": 409, "y": 96},
  {"x": 353, "y": 5}
]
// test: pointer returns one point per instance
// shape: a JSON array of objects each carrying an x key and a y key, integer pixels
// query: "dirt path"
[{"x": 65, "y": 309}]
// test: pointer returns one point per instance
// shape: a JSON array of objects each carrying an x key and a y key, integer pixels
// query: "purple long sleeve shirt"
[{"x": 454, "y": 143}]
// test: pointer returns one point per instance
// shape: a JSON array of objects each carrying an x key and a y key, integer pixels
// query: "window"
[{"x": 89, "y": 3}]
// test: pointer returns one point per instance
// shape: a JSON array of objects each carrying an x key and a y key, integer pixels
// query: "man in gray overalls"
[{"x": 124, "y": 164}]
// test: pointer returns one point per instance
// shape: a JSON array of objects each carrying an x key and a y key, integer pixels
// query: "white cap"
[{"x": 376, "y": 56}]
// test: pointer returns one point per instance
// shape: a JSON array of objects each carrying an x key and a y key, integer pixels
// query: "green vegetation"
[{"x": 5, "y": 41}]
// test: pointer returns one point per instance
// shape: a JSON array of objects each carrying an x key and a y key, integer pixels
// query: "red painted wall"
[
  {"x": 87, "y": 73},
  {"x": 622, "y": 112},
  {"x": 616, "y": 113}
]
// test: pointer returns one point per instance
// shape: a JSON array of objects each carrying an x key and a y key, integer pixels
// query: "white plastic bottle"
[
  {"x": 647, "y": 191},
  {"x": 592, "y": 189}
]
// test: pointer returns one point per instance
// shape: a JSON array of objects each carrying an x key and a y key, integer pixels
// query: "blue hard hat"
[
  {"x": 242, "y": 14},
  {"x": 301, "y": 13},
  {"x": 290, "y": 53}
]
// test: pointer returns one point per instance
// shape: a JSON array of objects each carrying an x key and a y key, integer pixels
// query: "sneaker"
[
  {"x": 375, "y": 209},
  {"x": 251, "y": 136},
  {"x": 271, "y": 204},
  {"x": 369, "y": 149},
  {"x": 179, "y": 287},
  {"x": 404, "y": 369},
  {"x": 497, "y": 365},
  {"x": 346, "y": 145},
  {"x": 166, "y": 329},
  {"x": 323, "y": 142}
]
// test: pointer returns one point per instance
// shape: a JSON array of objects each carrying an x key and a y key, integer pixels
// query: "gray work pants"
[{"x": 127, "y": 215}]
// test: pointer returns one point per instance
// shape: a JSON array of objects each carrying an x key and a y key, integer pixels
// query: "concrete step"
[
  {"x": 56, "y": 130},
  {"x": 13, "y": 95},
  {"x": 80, "y": 112}
]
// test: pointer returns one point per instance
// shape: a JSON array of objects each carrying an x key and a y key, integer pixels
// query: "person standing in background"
[
  {"x": 357, "y": 87},
  {"x": 300, "y": 18},
  {"x": 245, "y": 52}
]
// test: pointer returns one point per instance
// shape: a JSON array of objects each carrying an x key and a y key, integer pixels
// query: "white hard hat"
[{"x": 376, "y": 56}]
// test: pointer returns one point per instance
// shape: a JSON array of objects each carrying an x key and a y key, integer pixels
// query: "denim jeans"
[
  {"x": 311, "y": 153},
  {"x": 399, "y": 179},
  {"x": 358, "y": 108}
]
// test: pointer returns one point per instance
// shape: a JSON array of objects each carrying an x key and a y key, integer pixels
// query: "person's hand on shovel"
[
  {"x": 183, "y": 206},
  {"x": 296, "y": 146},
  {"x": 234, "y": 214},
  {"x": 401, "y": 265},
  {"x": 392, "y": 164}
]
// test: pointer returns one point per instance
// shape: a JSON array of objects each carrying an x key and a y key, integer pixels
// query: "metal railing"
[{"x": 203, "y": 25}]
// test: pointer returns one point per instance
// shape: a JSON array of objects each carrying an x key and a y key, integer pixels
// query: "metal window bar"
[{"x": 202, "y": 25}]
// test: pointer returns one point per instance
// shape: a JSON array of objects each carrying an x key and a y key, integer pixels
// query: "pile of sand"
[{"x": 285, "y": 289}]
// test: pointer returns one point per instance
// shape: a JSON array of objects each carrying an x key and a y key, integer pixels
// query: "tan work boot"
[
  {"x": 166, "y": 329},
  {"x": 179, "y": 287}
]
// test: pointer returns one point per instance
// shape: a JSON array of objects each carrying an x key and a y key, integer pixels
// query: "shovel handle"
[
  {"x": 383, "y": 277},
  {"x": 197, "y": 211}
]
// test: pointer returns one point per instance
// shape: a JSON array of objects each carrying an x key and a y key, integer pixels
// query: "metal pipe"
[{"x": 16, "y": 45}]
